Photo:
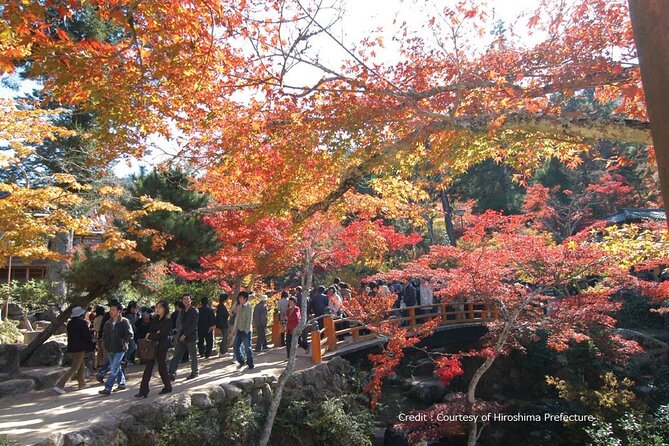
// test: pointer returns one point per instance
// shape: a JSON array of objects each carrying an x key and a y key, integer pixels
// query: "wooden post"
[
  {"x": 276, "y": 330},
  {"x": 470, "y": 311},
  {"x": 495, "y": 314},
  {"x": 316, "y": 357},
  {"x": 355, "y": 333},
  {"x": 443, "y": 314},
  {"x": 328, "y": 324},
  {"x": 651, "y": 35},
  {"x": 412, "y": 315}
]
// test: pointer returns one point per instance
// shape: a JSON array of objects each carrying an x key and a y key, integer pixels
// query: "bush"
[
  {"x": 334, "y": 421},
  {"x": 33, "y": 294},
  {"x": 632, "y": 429},
  {"x": 234, "y": 422},
  {"x": 4, "y": 441},
  {"x": 635, "y": 314},
  {"x": 9, "y": 333}
]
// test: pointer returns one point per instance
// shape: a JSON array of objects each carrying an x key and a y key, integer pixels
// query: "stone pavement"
[{"x": 32, "y": 417}]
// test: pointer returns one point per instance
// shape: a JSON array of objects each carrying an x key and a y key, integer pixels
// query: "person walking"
[
  {"x": 292, "y": 321},
  {"x": 205, "y": 329},
  {"x": 243, "y": 335},
  {"x": 222, "y": 315},
  {"x": 79, "y": 341},
  {"x": 159, "y": 330},
  {"x": 187, "y": 340},
  {"x": 97, "y": 327},
  {"x": 319, "y": 304},
  {"x": 260, "y": 323},
  {"x": 282, "y": 306},
  {"x": 116, "y": 336}
]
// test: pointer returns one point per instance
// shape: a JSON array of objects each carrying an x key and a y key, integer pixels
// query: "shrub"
[
  {"x": 33, "y": 294},
  {"x": 9, "y": 333},
  {"x": 632, "y": 429}
]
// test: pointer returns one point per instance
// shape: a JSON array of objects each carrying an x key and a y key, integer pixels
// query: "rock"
[
  {"x": 231, "y": 392},
  {"x": 97, "y": 435},
  {"x": 152, "y": 414},
  {"x": 15, "y": 312},
  {"x": 178, "y": 405},
  {"x": 49, "y": 315},
  {"x": 647, "y": 390},
  {"x": 270, "y": 379},
  {"x": 394, "y": 381},
  {"x": 424, "y": 367},
  {"x": 44, "y": 377},
  {"x": 256, "y": 397},
  {"x": 393, "y": 437},
  {"x": 48, "y": 354},
  {"x": 16, "y": 387},
  {"x": 41, "y": 325},
  {"x": 245, "y": 384},
  {"x": 267, "y": 393},
  {"x": 201, "y": 400},
  {"x": 51, "y": 440},
  {"x": 428, "y": 392},
  {"x": 320, "y": 383},
  {"x": 258, "y": 382},
  {"x": 10, "y": 358},
  {"x": 217, "y": 395}
]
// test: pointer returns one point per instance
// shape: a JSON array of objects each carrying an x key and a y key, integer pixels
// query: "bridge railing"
[{"x": 339, "y": 332}]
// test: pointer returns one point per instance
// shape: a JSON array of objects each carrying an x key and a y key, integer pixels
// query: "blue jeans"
[
  {"x": 243, "y": 337},
  {"x": 104, "y": 368},
  {"x": 116, "y": 370}
]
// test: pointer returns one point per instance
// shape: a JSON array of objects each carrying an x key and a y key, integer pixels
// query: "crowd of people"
[{"x": 107, "y": 341}]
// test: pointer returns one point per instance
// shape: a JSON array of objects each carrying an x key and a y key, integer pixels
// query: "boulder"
[
  {"x": 258, "y": 382},
  {"x": 245, "y": 384},
  {"x": 44, "y": 377},
  {"x": 16, "y": 387},
  {"x": 428, "y": 392},
  {"x": 48, "y": 354},
  {"x": 178, "y": 405},
  {"x": 231, "y": 392},
  {"x": 217, "y": 395},
  {"x": 201, "y": 400},
  {"x": 15, "y": 312},
  {"x": 320, "y": 381},
  {"x": 49, "y": 315},
  {"x": 10, "y": 358},
  {"x": 149, "y": 414},
  {"x": 424, "y": 367}
]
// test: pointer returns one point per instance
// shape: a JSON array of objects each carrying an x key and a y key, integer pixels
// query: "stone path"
[{"x": 30, "y": 418}]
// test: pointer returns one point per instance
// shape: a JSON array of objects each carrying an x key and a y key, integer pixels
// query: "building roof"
[{"x": 629, "y": 215}]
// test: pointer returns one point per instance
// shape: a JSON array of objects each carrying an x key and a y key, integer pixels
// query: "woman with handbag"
[{"x": 161, "y": 327}]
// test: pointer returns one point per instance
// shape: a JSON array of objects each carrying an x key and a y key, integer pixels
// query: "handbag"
[{"x": 146, "y": 349}]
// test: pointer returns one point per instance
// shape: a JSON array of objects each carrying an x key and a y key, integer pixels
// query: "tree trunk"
[
  {"x": 9, "y": 287},
  {"x": 429, "y": 222},
  {"x": 278, "y": 393},
  {"x": 448, "y": 217},
  {"x": 499, "y": 346},
  {"x": 41, "y": 338},
  {"x": 651, "y": 35},
  {"x": 57, "y": 269}
]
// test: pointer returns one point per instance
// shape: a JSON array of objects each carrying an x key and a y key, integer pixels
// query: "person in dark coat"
[
  {"x": 142, "y": 325},
  {"x": 205, "y": 329},
  {"x": 260, "y": 323},
  {"x": 410, "y": 295},
  {"x": 222, "y": 315},
  {"x": 159, "y": 330},
  {"x": 117, "y": 335},
  {"x": 319, "y": 304},
  {"x": 79, "y": 341},
  {"x": 187, "y": 339}
]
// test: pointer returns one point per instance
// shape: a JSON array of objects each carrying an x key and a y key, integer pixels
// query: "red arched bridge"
[{"x": 340, "y": 335}]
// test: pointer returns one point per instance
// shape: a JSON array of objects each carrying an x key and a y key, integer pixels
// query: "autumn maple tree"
[{"x": 534, "y": 284}]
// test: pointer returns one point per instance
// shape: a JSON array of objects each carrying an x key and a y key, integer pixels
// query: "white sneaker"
[{"x": 58, "y": 390}]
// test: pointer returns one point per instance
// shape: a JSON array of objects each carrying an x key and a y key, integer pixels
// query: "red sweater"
[{"x": 293, "y": 318}]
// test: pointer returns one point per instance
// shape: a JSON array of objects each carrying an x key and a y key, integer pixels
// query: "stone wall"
[{"x": 141, "y": 421}]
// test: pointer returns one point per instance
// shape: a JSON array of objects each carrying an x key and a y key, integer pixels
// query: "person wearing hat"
[
  {"x": 79, "y": 341},
  {"x": 260, "y": 323}
]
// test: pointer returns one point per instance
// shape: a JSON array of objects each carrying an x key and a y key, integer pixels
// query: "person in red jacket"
[{"x": 292, "y": 321}]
